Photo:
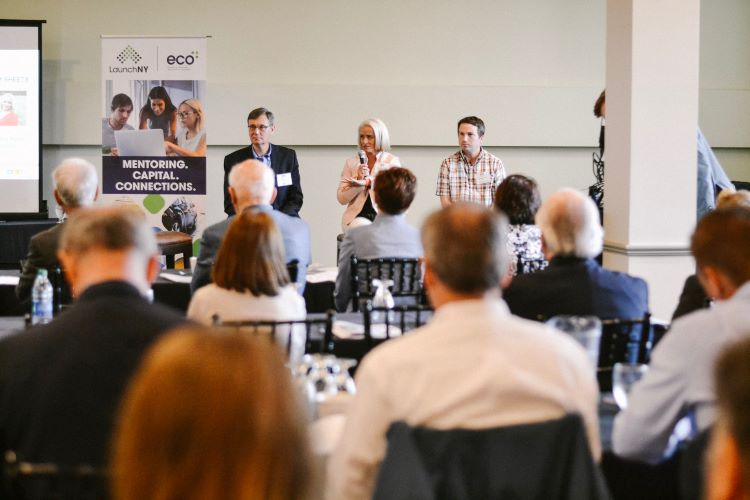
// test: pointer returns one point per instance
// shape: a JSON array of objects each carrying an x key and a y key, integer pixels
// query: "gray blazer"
[
  {"x": 294, "y": 230},
  {"x": 387, "y": 236}
]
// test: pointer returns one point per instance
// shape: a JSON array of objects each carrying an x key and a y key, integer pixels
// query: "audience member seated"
[
  {"x": 250, "y": 279},
  {"x": 728, "y": 458},
  {"x": 61, "y": 383},
  {"x": 210, "y": 416},
  {"x": 355, "y": 186},
  {"x": 693, "y": 296},
  {"x": 518, "y": 198},
  {"x": 678, "y": 383},
  {"x": 388, "y": 236},
  {"x": 74, "y": 185},
  {"x": 474, "y": 366},
  {"x": 251, "y": 185},
  {"x": 574, "y": 283}
]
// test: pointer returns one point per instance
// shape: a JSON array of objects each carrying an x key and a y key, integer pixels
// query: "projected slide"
[
  {"x": 19, "y": 114},
  {"x": 19, "y": 119}
]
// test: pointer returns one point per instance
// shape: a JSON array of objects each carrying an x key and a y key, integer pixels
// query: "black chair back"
[
  {"x": 541, "y": 460},
  {"x": 528, "y": 266},
  {"x": 403, "y": 317},
  {"x": 406, "y": 274},
  {"x": 623, "y": 341},
  {"x": 318, "y": 331},
  {"x": 61, "y": 295},
  {"x": 25, "y": 480},
  {"x": 292, "y": 267}
]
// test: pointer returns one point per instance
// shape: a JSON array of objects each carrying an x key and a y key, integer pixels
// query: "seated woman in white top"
[
  {"x": 251, "y": 282},
  {"x": 355, "y": 186},
  {"x": 191, "y": 137},
  {"x": 518, "y": 198}
]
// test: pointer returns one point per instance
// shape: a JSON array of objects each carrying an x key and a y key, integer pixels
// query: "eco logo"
[
  {"x": 182, "y": 59},
  {"x": 129, "y": 53}
]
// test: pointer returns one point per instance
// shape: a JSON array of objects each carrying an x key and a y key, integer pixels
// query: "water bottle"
[
  {"x": 382, "y": 298},
  {"x": 41, "y": 299}
]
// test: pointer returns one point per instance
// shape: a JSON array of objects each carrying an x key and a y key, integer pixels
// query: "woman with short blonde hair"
[
  {"x": 357, "y": 177},
  {"x": 210, "y": 415}
]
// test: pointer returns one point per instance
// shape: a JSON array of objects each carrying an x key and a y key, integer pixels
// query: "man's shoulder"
[
  {"x": 289, "y": 222},
  {"x": 283, "y": 150},
  {"x": 490, "y": 157},
  {"x": 624, "y": 280},
  {"x": 237, "y": 156},
  {"x": 217, "y": 229},
  {"x": 453, "y": 159}
]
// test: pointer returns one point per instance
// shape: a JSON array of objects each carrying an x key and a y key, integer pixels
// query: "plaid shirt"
[{"x": 475, "y": 183}]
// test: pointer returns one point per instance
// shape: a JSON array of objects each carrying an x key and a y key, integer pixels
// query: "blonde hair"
[
  {"x": 210, "y": 415},
  {"x": 569, "y": 222},
  {"x": 382, "y": 138},
  {"x": 196, "y": 106}
]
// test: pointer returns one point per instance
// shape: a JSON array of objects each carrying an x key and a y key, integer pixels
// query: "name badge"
[
  {"x": 484, "y": 178},
  {"x": 284, "y": 179}
]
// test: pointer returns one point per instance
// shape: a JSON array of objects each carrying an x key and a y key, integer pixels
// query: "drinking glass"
[
  {"x": 587, "y": 330},
  {"x": 624, "y": 375}
]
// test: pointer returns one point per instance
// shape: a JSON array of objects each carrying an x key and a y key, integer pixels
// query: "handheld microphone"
[{"x": 362, "y": 156}]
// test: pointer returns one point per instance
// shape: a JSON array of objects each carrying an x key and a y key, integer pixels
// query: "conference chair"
[
  {"x": 380, "y": 324},
  {"x": 528, "y": 266},
  {"x": 172, "y": 243},
  {"x": 25, "y": 480},
  {"x": 623, "y": 341},
  {"x": 549, "y": 459},
  {"x": 406, "y": 274},
  {"x": 318, "y": 331}
]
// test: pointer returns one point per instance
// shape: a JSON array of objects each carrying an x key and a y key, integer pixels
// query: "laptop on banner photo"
[{"x": 149, "y": 142}]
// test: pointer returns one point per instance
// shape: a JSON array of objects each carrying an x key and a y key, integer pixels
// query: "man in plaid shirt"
[{"x": 471, "y": 174}]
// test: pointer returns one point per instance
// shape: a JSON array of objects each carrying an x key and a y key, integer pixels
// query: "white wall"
[{"x": 532, "y": 69}]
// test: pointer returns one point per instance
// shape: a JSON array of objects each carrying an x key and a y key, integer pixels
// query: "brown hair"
[
  {"x": 210, "y": 415},
  {"x": 395, "y": 189},
  {"x": 251, "y": 257},
  {"x": 518, "y": 198},
  {"x": 472, "y": 120},
  {"x": 732, "y": 380},
  {"x": 722, "y": 240},
  {"x": 599, "y": 103},
  {"x": 464, "y": 244}
]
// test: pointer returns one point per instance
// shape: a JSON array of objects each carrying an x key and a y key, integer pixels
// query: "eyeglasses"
[
  {"x": 185, "y": 114},
  {"x": 259, "y": 128}
]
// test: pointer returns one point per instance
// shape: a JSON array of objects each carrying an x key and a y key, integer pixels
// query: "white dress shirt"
[
  {"x": 473, "y": 366},
  {"x": 679, "y": 382}
]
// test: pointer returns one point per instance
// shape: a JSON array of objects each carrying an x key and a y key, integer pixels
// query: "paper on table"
[
  {"x": 356, "y": 182},
  {"x": 177, "y": 278},
  {"x": 9, "y": 280},
  {"x": 349, "y": 330},
  {"x": 322, "y": 274}
]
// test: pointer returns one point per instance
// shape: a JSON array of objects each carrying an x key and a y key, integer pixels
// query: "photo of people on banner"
[{"x": 154, "y": 148}]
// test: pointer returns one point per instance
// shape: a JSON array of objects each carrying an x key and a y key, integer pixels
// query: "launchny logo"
[{"x": 128, "y": 54}]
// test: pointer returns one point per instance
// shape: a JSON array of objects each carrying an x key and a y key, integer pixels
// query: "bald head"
[
  {"x": 251, "y": 183},
  {"x": 569, "y": 222},
  {"x": 75, "y": 183}
]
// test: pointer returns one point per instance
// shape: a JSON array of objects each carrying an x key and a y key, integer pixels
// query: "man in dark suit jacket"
[
  {"x": 283, "y": 161},
  {"x": 61, "y": 383},
  {"x": 251, "y": 186},
  {"x": 75, "y": 185},
  {"x": 574, "y": 283}
]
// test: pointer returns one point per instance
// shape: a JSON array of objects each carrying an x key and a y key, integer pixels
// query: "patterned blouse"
[{"x": 525, "y": 247}]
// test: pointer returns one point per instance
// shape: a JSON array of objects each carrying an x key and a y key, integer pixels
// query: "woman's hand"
[{"x": 363, "y": 171}]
